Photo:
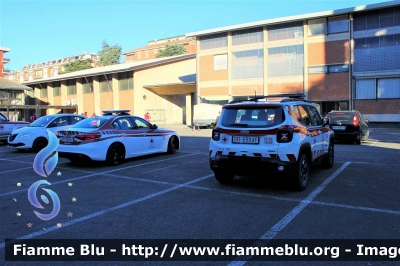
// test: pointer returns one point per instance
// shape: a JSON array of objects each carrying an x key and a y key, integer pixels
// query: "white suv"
[{"x": 270, "y": 135}]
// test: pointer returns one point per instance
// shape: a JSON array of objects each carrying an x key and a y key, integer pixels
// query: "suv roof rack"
[
  {"x": 288, "y": 97},
  {"x": 116, "y": 112}
]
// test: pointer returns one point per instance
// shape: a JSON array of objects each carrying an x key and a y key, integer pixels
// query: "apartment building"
[
  {"x": 342, "y": 59},
  {"x": 3, "y": 61},
  {"x": 151, "y": 50}
]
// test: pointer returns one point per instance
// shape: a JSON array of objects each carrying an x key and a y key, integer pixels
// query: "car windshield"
[
  {"x": 252, "y": 117},
  {"x": 2, "y": 117},
  {"x": 94, "y": 122},
  {"x": 42, "y": 122},
  {"x": 341, "y": 117}
]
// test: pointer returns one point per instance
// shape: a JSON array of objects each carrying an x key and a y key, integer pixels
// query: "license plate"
[
  {"x": 68, "y": 139},
  {"x": 339, "y": 127},
  {"x": 245, "y": 140}
]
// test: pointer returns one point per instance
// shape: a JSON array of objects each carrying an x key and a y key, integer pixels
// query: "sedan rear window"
[
  {"x": 94, "y": 122},
  {"x": 252, "y": 117},
  {"x": 341, "y": 117}
]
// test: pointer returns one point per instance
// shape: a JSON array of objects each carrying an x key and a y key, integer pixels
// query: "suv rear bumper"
[{"x": 250, "y": 165}]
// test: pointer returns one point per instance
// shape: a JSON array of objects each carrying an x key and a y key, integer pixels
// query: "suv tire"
[
  {"x": 327, "y": 162},
  {"x": 302, "y": 172},
  {"x": 224, "y": 177}
]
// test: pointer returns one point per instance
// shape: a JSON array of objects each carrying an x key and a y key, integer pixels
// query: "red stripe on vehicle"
[
  {"x": 250, "y": 132},
  {"x": 291, "y": 157},
  {"x": 257, "y": 154}
]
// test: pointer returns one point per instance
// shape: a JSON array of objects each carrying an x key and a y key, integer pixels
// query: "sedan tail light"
[
  {"x": 356, "y": 122},
  {"x": 88, "y": 136}
]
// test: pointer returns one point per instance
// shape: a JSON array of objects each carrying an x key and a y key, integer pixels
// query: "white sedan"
[
  {"x": 114, "y": 138},
  {"x": 35, "y": 135}
]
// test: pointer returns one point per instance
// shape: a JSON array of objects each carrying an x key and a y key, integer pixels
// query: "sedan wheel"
[
  {"x": 115, "y": 154},
  {"x": 173, "y": 145}
]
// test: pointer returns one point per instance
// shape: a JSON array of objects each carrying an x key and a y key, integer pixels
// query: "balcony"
[{"x": 6, "y": 60}]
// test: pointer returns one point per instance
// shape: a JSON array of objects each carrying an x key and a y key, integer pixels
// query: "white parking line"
[
  {"x": 9, "y": 159},
  {"x": 93, "y": 215},
  {"x": 271, "y": 233},
  {"x": 94, "y": 173},
  {"x": 14, "y": 170}
]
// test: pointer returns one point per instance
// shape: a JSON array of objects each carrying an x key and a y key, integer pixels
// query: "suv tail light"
[
  {"x": 284, "y": 135},
  {"x": 215, "y": 134},
  {"x": 88, "y": 136},
  {"x": 356, "y": 122}
]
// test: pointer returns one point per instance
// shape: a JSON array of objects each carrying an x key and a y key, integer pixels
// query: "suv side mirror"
[
  {"x": 366, "y": 121},
  {"x": 325, "y": 121},
  {"x": 154, "y": 126}
]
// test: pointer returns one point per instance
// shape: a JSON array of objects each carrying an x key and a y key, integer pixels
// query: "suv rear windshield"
[
  {"x": 341, "y": 117},
  {"x": 252, "y": 117}
]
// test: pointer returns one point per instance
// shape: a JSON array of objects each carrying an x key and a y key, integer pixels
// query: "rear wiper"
[{"x": 239, "y": 125}]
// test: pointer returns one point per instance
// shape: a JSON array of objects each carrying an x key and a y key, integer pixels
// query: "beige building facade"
[{"x": 164, "y": 87}]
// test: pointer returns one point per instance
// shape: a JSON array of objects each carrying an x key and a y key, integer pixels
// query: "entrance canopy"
[{"x": 172, "y": 88}]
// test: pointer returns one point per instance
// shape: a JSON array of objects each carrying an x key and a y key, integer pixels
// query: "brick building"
[
  {"x": 151, "y": 50},
  {"x": 342, "y": 59}
]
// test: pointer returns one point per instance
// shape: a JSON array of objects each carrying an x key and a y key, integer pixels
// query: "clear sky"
[{"x": 39, "y": 31}]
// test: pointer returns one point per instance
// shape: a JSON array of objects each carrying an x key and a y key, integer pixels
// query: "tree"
[
  {"x": 76, "y": 66},
  {"x": 110, "y": 54},
  {"x": 171, "y": 50}
]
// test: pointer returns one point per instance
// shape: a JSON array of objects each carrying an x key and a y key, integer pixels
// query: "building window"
[
  {"x": 125, "y": 80},
  {"x": 139, "y": 54},
  {"x": 213, "y": 41},
  {"x": 87, "y": 85},
  {"x": 221, "y": 62},
  {"x": 388, "y": 88},
  {"x": 337, "y": 68},
  {"x": 43, "y": 90},
  {"x": 146, "y": 54},
  {"x": 285, "y": 60},
  {"x": 285, "y": 31},
  {"x": 248, "y": 64},
  {"x": 338, "y": 24},
  {"x": 317, "y": 69},
  {"x": 71, "y": 87},
  {"x": 317, "y": 26},
  {"x": 155, "y": 51},
  {"x": 104, "y": 83},
  {"x": 56, "y": 88},
  {"x": 247, "y": 36},
  {"x": 365, "y": 89},
  {"x": 377, "y": 53},
  {"x": 375, "y": 19}
]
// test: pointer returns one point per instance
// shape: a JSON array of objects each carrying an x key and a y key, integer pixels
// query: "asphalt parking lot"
[{"x": 177, "y": 197}]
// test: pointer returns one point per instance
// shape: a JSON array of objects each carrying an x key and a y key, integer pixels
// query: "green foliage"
[
  {"x": 76, "y": 66},
  {"x": 110, "y": 54},
  {"x": 171, "y": 50}
]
